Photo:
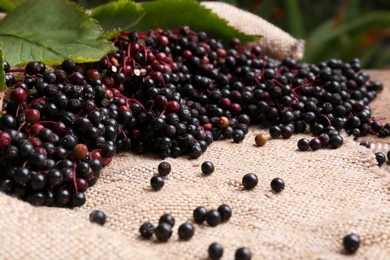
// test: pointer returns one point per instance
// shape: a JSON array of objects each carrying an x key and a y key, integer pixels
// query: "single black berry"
[
  {"x": 199, "y": 214},
  {"x": 249, "y": 181},
  {"x": 98, "y": 216},
  {"x": 243, "y": 253},
  {"x": 351, "y": 243},
  {"x": 380, "y": 158},
  {"x": 213, "y": 218},
  {"x": 225, "y": 211},
  {"x": 167, "y": 218},
  {"x": 277, "y": 185},
  {"x": 215, "y": 251},
  {"x": 303, "y": 144},
  {"x": 146, "y": 230},
  {"x": 157, "y": 182},
  {"x": 186, "y": 231},
  {"x": 164, "y": 168},
  {"x": 207, "y": 167},
  {"x": 163, "y": 231}
]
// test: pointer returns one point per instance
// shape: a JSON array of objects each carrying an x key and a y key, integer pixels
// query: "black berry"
[
  {"x": 163, "y": 231},
  {"x": 249, "y": 181},
  {"x": 277, "y": 185},
  {"x": 207, "y": 167},
  {"x": 98, "y": 216},
  {"x": 213, "y": 218},
  {"x": 199, "y": 215},
  {"x": 146, "y": 230},
  {"x": 157, "y": 182},
  {"x": 243, "y": 253},
  {"x": 225, "y": 211},
  {"x": 215, "y": 251},
  {"x": 186, "y": 231},
  {"x": 351, "y": 243}
]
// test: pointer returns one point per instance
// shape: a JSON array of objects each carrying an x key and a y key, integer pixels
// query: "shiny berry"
[
  {"x": 163, "y": 232},
  {"x": 207, "y": 167},
  {"x": 213, "y": 218},
  {"x": 303, "y": 144},
  {"x": 351, "y": 243},
  {"x": 243, "y": 253},
  {"x": 98, "y": 216},
  {"x": 164, "y": 168},
  {"x": 277, "y": 185},
  {"x": 146, "y": 230},
  {"x": 199, "y": 215},
  {"x": 186, "y": 231},
  {"x": 215, "y": 251},
  {"x": 157, "y": 182},
  {"x": 249, "y": 181},
  {"x": 225, "y": 211},
  {"x": 167, "y": 218},
  {"x": 380, "y": 158},
  {"x": 260, "y": 139}
]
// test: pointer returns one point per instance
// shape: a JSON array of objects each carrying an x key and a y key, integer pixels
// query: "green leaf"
[
  {"x": 7, "y": 5},
  {"x": 118, "y": 16},
  {"x": 171, "y": 14},
  {"x": 50, "y": 31}
]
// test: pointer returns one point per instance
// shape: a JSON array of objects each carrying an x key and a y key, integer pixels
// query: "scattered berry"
[
  {"x": 303, "y": 144},
  {"x": 163, "y": 231},
  {"x": 351, "y": 243},
  {"x": 225, "y": 211},
  {"x": 215, "y": 251},
  {"x": 249, "y": 181},
  {"x": 243, "y": 253},
  {"x": 380, "y": 158},
  {"x": 186, "y": 231},
  {"x": 277, "y": 185},
  {"x": 146, "y": 230},
  {"x": 199, "y": 215},
  {"x": 167, "y": 218},
  {"x": 213, "y": 218},
  {"x": 157, "y": 182},
  {"x": 207, "y": 167},
  {"x": 98, "y": 217},
  {"x": 164, "y": 168},
  {"x": 260, "y": 139}
]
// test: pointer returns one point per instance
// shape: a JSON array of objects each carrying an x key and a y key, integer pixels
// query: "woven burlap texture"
[
  {"x": 275, "y": 42},
  {"x": 328, "y": 194}
]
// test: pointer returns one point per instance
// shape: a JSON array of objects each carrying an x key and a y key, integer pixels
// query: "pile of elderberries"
[{"x": 170, "y": 92}]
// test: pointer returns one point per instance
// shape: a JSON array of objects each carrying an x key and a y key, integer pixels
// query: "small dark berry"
[
  {"x": 213, "y": 218},
  {"x": 249, "y": 181},
  {"x": 303, "y": 144},
  {"x": 167, "y": 218},
  {"x": 163, "y": 232},
  {"x": 215, "y": 251},
  {"x": 380, "y": 158},
  {"x": 199, "y": 214},
  {"x": 186, "y": 231},
  {"x": 98, "y": 216},
  {"x": 225, "y": 211},
  {"x": 146, "y": 230},
  {"x": 277, "y": 185},
  {"x": 157, "y": 182},
  {"x": 315, "y": 144},
  {"x": 207, "y": 167},
  {"x": 243, "y": 253},
  {"x": 164, "y": 168},
  {"x": 351, "y": 243}
]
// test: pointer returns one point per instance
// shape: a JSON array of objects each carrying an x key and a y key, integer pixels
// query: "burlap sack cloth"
[{"x": 328, "y": 194}]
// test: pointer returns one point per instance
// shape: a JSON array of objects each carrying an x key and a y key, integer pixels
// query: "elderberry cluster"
[{"x": 170, "y": 92}]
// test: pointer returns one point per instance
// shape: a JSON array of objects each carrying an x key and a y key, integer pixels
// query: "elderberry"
[
  {"x": 98, "y": 216},
  {"x": 351, "y": 243},
  {"x": 215, "y": 251}
]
